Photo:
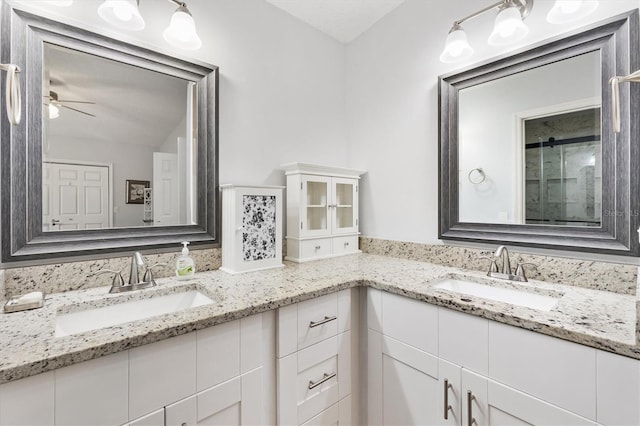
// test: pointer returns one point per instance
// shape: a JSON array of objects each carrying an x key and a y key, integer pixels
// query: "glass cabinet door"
[
  {"x": 315, "y": 206},
  {"x": 344, "y": 206}
]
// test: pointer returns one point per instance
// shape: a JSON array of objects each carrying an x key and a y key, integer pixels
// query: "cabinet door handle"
[
  {"x": 447, "y": 407},
  {"x": 326, "y": 319},
  {"x": 470, "y": 420},
  {"x": 325, "y": 377},
  {"x": 318, "y": 247}
]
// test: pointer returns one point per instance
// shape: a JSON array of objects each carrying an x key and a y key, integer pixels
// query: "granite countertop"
[{"x": 603, "y": 320}]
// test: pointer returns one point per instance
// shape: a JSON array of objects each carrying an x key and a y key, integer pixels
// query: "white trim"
[
  {"x": 314, "y": 169},
  {"x": 519, "y": 163},
  {"x": 109, "y": 167}
]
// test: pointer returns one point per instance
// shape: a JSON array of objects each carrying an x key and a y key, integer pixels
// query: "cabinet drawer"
[
  {"x": 313, "y": 379},
  {"x": 329, "y": 417},
  {"x": 410, "y": 321},
  {"x": 317, "y": 319},
  {"x": 315, "y": 248},
  {"x": 347, "y": 244},
  {"x": 313, "y": 320},
  {"x": 463, "y": 340},
  {"x": 559, "y": 372}
]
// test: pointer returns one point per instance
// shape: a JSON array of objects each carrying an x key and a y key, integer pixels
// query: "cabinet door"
[
  {"x": 154, "y": 419},
  {"x": 237, "y": 402},
  {"x": 507, "y": 406},
  {"x": 314, "y": 206},
  {"x": 28, "y": 401},
  {"x": 93, "y": 392},
  {"x": 344, "y": 206},
  {"x": 161, "y": 373},
  {"x": 410, "y": 385}
]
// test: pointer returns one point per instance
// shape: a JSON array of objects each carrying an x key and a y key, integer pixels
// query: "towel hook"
[
  {"x": 479, "y": 179},
  {"x": 12, "y": 93}
]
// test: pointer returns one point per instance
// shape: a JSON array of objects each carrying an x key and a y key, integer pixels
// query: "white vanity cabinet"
[
  {"x": 316, "y": 349},
  {"x": 211, "y": 376},
  {"x": 423, "y": 358},
  {"x": 322, "y": 211}
]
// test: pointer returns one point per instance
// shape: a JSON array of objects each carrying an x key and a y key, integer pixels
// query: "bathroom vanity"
[{"x": 290, "y": 346}]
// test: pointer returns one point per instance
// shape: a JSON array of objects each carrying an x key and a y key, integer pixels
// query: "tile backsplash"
[{"x": 590, "y": 274}]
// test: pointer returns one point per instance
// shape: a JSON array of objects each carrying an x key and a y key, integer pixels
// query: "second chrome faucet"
[{"x": 502, "y": 253}]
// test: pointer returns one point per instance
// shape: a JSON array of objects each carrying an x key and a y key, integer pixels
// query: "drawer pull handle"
[
  {"x": 470, "y": 420},
  {"x": 318, "y": 247},
  {"x": 447, "y": 406},
  {"x": 346, "y": 244},
  {"x": 313, "y": 324},
  {"x": 326, "y": 377}
]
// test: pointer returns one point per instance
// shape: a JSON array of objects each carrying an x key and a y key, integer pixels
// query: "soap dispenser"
[{"x": 185, "y": 266}]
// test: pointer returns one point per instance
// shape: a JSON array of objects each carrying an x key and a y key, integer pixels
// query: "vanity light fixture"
[
  {"x": 122, "y": 14},
  {"x": 181, "y": 31},
  {"x": 508, "y": 28},
  {"x": 457, "y": 47},
  {"x": 564, "y": 11}
]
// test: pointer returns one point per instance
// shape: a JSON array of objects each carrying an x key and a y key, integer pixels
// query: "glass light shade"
[
  {"x": 61, "y": 3},
  {"x": 456, "y": 47},
  {"x": 564, "y": 11},
  {"x": 181, "y": 31},
  {"x": 122, "y": 14},
  {"x": 508, "y": 27},
  {"x": 54, "y": 111}
]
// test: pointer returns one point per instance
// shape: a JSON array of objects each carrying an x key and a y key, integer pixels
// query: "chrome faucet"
[
  {"x": 502, "y": 253},
  {"x": 137, "y": 264}
]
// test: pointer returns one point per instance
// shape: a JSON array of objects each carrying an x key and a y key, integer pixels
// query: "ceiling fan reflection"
[{"x": 55, "y": 104}]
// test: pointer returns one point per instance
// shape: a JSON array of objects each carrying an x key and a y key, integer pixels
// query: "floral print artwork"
[{"x": 259, "y": 225}]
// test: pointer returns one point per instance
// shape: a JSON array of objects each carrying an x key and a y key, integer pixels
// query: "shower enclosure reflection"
[{"x": 563, "y": 169}]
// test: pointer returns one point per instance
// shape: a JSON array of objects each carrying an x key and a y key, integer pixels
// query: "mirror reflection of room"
[
  {"x": 119, "y": 148},
  {"x": 534, "y": 156}
]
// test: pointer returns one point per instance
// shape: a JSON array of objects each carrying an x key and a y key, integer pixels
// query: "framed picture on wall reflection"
[{"x": 135, "y": 191}]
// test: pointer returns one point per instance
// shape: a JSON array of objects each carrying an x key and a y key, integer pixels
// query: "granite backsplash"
[
  {"x": 59, "y": 277},
  {"x": 614, "y": 277}
]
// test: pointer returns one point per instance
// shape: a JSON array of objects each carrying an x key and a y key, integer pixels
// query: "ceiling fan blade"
[
  {"x": 77, "y": 102},
  {"x": 77, "y": 110}
]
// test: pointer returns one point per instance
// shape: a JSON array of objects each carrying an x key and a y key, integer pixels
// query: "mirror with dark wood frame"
[
  {"x": 74, "y": 83},
  {"x": 528, "y": 153}
]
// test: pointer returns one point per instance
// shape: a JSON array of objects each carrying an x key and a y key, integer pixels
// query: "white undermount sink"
[
  {"x": 500, "y": 294},
  {"x": 134, "y": 310}
]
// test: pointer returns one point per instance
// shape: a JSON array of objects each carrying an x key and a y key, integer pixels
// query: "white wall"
[
  {"x": 281, "y": 81},
  {"x": 392, "y": 106}
]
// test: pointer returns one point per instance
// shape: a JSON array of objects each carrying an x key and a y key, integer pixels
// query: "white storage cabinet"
[
  {"x": 251, "y": 228},
  {"x": 322, "y": 211}
]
